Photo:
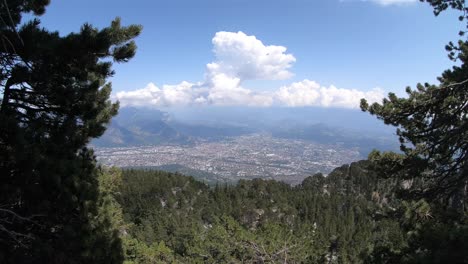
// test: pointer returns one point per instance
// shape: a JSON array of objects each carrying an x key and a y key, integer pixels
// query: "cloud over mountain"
[
  {"x": 238, "y": 58},
  {"x": 310, "y": 93}
]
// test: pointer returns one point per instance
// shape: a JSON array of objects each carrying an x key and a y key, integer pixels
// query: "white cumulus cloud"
[
  {"x": 239, "y": 57},
  {"x": 310, "y": 93},
  {"x": 248, "y": 58},
  {"x": 168, "y": 95},
  {"x": 394, "y": 2},
  {"x": 226, "y": 90},
  {"x": 386, "y": 2}
]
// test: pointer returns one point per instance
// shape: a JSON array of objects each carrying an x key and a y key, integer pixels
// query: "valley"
[{"x": 234, "y": 158}]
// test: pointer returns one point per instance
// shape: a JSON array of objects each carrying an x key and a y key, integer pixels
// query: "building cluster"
[{"x": 251, "y": 156}]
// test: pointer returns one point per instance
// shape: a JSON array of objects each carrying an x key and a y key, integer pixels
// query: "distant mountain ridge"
[
  {"x": 137, "y": 127},
  {"x": 326, "y": 134},
  {"x": 144, "y": 126}
]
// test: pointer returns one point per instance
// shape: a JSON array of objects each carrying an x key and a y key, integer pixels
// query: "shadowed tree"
[
  {"x": 432, "y": 125},
  {"x": 55, "y": 99}
]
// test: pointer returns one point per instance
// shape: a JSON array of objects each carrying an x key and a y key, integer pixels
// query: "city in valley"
[{"x": 243, "y": 157}]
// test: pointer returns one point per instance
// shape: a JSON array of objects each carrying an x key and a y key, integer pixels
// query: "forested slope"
[
  {"x": 57, "y": 205},
  {"x": 336, "y": 218}
]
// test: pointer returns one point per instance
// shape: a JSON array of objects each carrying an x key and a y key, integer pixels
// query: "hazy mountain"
[
  {"x": 349, "y": 128},
  {"x": 271, "y": 117},
  {"x": 136, "y": 127},
  {"x": 364, "y": 141},
  {"x": 212, "y": 132}
]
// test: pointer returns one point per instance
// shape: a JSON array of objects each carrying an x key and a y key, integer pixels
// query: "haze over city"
[{"x": 278, "y": 68}]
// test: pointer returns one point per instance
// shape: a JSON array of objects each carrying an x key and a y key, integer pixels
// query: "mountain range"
[{"x": 146, "y": 126}]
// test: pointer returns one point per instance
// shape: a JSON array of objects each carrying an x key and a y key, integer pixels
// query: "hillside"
[
  {"x": 133, "y": 127},
  {"x": 251, "y": 108},
  {"x": 182, "y": 220}
]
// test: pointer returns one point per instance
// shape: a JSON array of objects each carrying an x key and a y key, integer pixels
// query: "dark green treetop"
[
  {"x": 55, "y": 99},
  {"x": 432, "y": 170},
  {"x": 433, "y": 131},
  {"x": 432, "y": 125}
]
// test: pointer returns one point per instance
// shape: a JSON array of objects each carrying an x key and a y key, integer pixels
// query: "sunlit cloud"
[
  {"x": 394, "y": 2},
  {"x": 238, "y": 58},
  {"x": 247, "y": 58},
  {"x": 310, "y": 93},
  {"x": 386, "y": 2}
]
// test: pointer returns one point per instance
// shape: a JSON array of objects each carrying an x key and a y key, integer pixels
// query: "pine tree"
[
  {"x": 432, "y": 124},
  {"x": 55, "y": 99},
  {"x": 432, "y": 170}
]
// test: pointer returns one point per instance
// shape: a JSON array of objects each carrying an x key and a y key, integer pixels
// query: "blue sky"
[{"x": 340, "y": 49}]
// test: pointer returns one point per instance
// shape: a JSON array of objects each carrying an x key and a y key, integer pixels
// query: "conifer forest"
[{"x": 58, "y": 204}]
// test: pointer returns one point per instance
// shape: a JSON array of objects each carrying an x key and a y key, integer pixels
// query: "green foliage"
[
  {"x": 137, "y": 252},
  {"x": 55, "y": 99},
  {"x": 58, "y": 206},
  {"x": 442, "y": 5},
  {"x": 431, "y": 173},
  {"x": 261, "y": 221},
  {"x": 432, "y": 127}
]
